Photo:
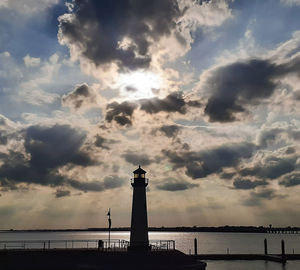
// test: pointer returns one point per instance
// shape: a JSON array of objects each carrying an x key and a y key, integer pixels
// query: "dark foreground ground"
[{"x": 93, "y": 259}]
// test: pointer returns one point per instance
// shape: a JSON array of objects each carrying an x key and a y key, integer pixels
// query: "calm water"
[{"x": 207, "y": 243}]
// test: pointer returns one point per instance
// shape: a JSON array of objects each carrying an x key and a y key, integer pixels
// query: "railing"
[
  {"x": 105, "y": 245},
  {"x": 157, "y": 245}
]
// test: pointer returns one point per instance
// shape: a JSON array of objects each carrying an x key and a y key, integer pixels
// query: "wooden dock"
[{"x": 254, "y": 257}]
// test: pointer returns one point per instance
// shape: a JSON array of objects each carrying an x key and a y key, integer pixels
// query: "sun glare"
[{"x": 139, "y": 84}]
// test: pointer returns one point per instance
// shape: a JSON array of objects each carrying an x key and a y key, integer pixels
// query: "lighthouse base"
[{"x": 139, "y": 247}]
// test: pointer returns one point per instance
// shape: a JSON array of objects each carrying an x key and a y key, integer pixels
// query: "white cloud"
[
  {"x": 31, "y": 61},
  {"x": 27, "y": 6},
  {"x": 290, "y": 2}
]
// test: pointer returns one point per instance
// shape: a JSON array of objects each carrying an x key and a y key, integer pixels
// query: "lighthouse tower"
[{"x": 139, "y": 222}]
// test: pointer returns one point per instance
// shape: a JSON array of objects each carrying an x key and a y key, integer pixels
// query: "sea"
[{"x": 208, "y": 243}]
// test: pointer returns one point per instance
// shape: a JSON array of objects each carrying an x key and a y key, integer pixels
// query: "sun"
[{"x": 139, "y": 84}]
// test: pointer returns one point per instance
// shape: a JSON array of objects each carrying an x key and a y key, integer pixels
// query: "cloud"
[
  {"x": 31, "y": 61},
  {"x": 297, "y": 95},
  {"x": 120, "y": 112},
  {"x": 269, "y": 136},
  {"x": 46, "y": 149},
  {"x": 290, "y": 2},
  {"x": 81, "y": 96},
  {"x": 3, "y": 138},
  {"x": 270, "y": 167},
  {"x": 172, "y": 103},
  {"x": 238, "y": 84},
  {"x": 256, "y": 198},
  {"x": 103, "y": 142},
  {"x": 291, "y": 179},
  {"x": 119, "y": 32},
  {"x": 137, "y": 159},
  {"x": 55, "y": 146},
  {"x": 62, "y": 193},
  {"x": 203, "y": 163},
  {"x": 175, "y": 185},
  {"x": 170, "y": 130},
  {"x": 109, "y": 182},
  {"x": 227, "y": 176},
  {"x": 248, "y": 184}
]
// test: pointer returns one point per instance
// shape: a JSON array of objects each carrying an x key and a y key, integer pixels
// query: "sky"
[{"x": 204, "y": 95}]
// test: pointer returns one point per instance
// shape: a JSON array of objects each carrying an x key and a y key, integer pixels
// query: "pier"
[{"x": 115, "y": 257}]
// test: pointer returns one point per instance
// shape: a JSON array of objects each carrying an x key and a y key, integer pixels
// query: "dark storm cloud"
[
  {"x": 175, "y": 185},
  {"x": 271, "y": 168},
  {"x": 137, "y": 159},
  {"x": 292, "y": 179},
  {"x": 52, "y": 147},
  {"x": 96, "y": 28},
  {"x": 47, "y": 149},
  {"x": 62, "y": 193},
  {"x": 109, "y": 182},
  {"x": 80, "y": 95},
  {"x": 120, "y": 112},
  {"x": 170, "y": 130},
  {"x": 206, "y": 162},
  {"x": 241, "y": 83},
  {"x": 248, "y": 184},
  {"x": 174, "y": 102}
]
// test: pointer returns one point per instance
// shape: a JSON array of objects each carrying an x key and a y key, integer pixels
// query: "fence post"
[
  {"x": 283, "y": 252},
  {"x": 195, "y": 246},
  {"x": 266, "y": 246}
]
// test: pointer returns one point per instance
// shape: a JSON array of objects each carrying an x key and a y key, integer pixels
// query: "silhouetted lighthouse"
[{"x": 139, "y": 222}]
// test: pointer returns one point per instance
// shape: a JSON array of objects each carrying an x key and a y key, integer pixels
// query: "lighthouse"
[{"x": 139, "y": 240}]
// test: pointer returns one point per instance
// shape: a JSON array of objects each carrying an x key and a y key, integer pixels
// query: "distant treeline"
[{"x": 238, "y": 229}]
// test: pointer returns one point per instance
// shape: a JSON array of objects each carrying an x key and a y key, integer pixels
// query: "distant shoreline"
[{"x": 237, "y": 229}]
